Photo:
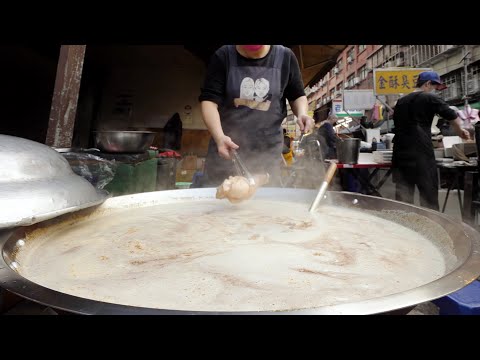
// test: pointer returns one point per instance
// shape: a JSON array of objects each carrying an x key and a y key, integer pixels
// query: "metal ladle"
[{"x": 241, "y": 168}]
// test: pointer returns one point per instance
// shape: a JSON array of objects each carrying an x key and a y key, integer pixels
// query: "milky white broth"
[{"x": 210, "y": 255}]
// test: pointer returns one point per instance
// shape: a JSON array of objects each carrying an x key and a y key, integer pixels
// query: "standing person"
[
  {"x": 413, "y": 159},
  {"x": 327, "y": 137},
  {"x": 243, "y": 103}
]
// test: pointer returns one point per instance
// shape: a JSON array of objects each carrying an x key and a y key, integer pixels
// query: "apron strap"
[
  {"x": 232, "y": 55},
  {"x": 280, "y": 54}
]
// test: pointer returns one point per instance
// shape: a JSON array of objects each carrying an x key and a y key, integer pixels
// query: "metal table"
[
  {"x": 365, "y": 161},
  {"x": 458, "y": 170}
]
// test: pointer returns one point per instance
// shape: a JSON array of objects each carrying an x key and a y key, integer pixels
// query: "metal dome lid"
[{"x": 37, "y": 183}]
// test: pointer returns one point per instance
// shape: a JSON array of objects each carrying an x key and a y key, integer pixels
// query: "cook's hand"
[
  {"x": 306, "y": 123},
  {"x": 224, "y": 145},
  {"x": 465, "y": 134}
]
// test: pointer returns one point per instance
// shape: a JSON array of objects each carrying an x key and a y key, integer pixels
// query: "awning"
[
  {"x": 316, "y": 60},
  {"x": 350, "y": 113}
]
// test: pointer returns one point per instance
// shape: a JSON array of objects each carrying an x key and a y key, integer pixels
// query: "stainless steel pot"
[
  {"x": 463, "y": 269},
  {"x": 123, "y": 141},
  {"x": 348, "y": 150}
]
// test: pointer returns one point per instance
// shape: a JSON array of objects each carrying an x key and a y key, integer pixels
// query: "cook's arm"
[
  {"x": 299, "y": 108},
  {"x": 457, "y": 127},
  {"x": 443, "y": 109},
  {"x": 211, "y": 118}
]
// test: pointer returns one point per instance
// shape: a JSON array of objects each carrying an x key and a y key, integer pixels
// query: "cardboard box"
[
  {"x": 189, "y": 162},
  {"x": 184, "y": 175}
]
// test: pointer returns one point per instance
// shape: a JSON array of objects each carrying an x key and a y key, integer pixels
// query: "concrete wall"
[{"x": 161, "y": 80}]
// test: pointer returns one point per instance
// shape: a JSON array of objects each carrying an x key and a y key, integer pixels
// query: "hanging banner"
[{"x": 389, "y": 81}]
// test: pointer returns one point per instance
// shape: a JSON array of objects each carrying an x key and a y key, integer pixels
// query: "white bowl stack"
[{"x": 382, "y": 157}]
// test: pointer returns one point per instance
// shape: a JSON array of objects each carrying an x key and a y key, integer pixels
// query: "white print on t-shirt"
[
  {"x": 254, "y": 94},
  {"x": 262, "y": 86},
  {"x": 247, "y": 89}
]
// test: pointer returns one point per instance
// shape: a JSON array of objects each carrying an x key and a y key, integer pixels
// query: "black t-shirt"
[
  {"x": 419, "y": 108},
  {"x": 215, "y": 82},
  {"x": 413, "y": 118}
]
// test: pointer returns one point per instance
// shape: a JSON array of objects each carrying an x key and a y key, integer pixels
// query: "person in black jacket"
[
  {"x": 327, "y": 137},
  {"x": 413, "y": 159}
]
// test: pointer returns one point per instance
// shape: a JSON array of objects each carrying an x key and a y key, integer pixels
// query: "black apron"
[{"x": 251, "y": 115}]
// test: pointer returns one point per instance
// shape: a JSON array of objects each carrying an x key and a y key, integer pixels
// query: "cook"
[
  {"x": 243, "y": 103},
  {"x": 413, "y": 160}
]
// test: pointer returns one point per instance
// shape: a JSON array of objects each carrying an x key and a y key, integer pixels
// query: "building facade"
[
  {"x": 354, "y": 70},
  {"x": 449, "y": 61}
]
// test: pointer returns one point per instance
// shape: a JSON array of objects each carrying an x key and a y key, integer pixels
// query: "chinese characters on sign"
[{"x": 396, "y": 80}]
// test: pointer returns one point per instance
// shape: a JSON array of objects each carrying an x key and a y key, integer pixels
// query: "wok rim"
[
  {"x": 125, "y": 131},
  {"x": 458, "y": 278}
]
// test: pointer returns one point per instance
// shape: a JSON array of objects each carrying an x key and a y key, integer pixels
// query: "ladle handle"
[
  {"x": 241, "y": 168},
  {"x": 331, "y": 172},
  {"x": 323, "y": 188}
]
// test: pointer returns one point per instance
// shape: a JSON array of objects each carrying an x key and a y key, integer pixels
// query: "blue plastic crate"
[{"x": 465, "y": 301}]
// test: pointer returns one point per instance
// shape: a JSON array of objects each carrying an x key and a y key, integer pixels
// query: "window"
[
  {"x": 332, "y": 92},
  {"x": 377, "y": 58},
  {"x": 386, "y": 49},
  {"x": 475, "y": 70},
  {"x": 454, "y": 87},
  {"x": 369, "y": 63},
  {"x": 362, "y": 72},
  {"x": 419, "y": 54},
  {"x": 413, "y": 51},
  {"x": 474, "y": 82},
  {"x": 450, "y": 79},
  {"x": 361, "y": 48},
  {"x": 351, "y": 53},
  {"x": 340, "y": 86},
  {"x": 350, "y": 80},
  {"x": 380, "y": 56},
  {"x": 339, "y": 65}
]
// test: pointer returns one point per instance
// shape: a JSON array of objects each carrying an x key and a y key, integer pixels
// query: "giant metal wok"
[{"x": 460, "y": 272}]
